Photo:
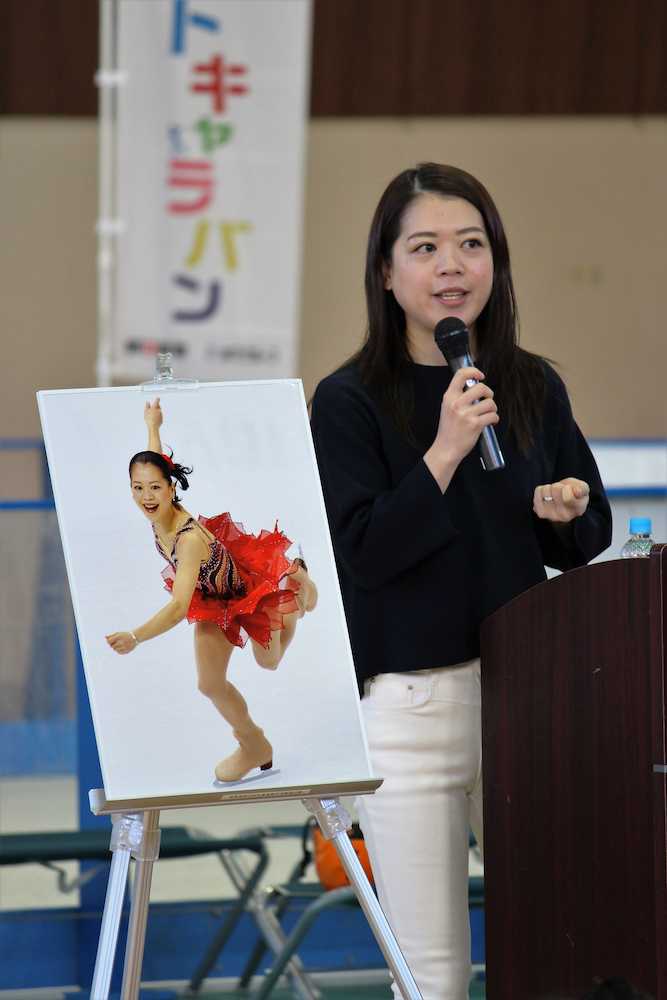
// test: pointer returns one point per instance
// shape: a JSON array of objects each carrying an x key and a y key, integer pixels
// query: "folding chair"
[
  {"x": 269, "y": 905},
  {"x": 48, "y": 849}
]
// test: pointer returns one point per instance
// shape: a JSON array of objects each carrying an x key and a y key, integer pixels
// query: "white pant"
[{"x": 424, "y": 735}]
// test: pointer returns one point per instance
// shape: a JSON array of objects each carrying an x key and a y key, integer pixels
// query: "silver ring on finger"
[{"x": 547, "y": 499}]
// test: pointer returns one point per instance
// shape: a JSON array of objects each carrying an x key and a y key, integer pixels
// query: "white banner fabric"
[{"x": 209, "y": 156}]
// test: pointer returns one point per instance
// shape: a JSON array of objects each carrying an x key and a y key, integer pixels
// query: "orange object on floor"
[{"x": 327, "y": 863}]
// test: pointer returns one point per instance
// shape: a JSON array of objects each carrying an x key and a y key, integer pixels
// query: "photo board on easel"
[{"x": 158, "y": 736}]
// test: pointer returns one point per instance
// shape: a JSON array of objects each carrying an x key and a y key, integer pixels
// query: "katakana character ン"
[
  {"x": 180, "y": 19},
  {"x": 197, "y": 174},
  {"x": 229, "y": 233},
  {"x": 209, "y": 308},
  {"x": 213, "y": 134},
  {"x": 217, "y": 70}
]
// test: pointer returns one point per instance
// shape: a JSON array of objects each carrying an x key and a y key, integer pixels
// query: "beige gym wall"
[{"x": 583, "y": 200}]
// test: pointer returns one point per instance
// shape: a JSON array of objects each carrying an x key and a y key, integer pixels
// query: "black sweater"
[{"x": 419, "y": 570}]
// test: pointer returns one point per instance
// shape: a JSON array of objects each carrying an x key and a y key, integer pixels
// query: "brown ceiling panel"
[
  {"x": 48, "y": 57},
  {"x": 652, "y": 94},
  {"x": 394, "y": 57},
  {"x": 360, "y": 58},
  {"x": 470, "y": 57}
]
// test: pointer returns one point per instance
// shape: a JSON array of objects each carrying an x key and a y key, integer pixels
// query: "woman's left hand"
[
  {"x": 122, "y": 642},
  {"x": 562, "y": 501}
]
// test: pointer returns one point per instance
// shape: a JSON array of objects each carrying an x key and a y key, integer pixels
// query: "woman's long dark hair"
[
  {"x": 516, "y": 376},
  {"x": 169, "y": 469}
]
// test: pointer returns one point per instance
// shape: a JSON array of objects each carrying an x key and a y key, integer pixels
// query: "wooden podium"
[{"x": 573, "y": 718}]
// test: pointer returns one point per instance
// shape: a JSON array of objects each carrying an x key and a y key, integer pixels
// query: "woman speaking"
[{"x": 428, "y": 543}]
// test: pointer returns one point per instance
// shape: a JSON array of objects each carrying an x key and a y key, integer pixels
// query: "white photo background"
[{"x": 251, "y": 453}]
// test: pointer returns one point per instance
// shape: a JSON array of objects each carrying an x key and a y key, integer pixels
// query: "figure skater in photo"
[{"x": 230, "y": 584}]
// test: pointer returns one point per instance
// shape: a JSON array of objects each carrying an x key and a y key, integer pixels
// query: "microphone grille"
[{"x": 451, "y": 336}]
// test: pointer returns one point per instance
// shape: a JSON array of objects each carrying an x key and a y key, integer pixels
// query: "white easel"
[{"x": 137, "y": 835}]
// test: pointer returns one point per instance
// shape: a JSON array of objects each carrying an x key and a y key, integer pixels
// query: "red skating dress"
[{"x": 242, "y": 587}]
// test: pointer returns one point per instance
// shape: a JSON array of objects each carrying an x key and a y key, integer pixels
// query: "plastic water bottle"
[{"x": 639, "y": 543}]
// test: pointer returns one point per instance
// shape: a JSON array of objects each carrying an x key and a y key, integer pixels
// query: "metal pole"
[
  {"x": 113, "y": 908},
  {"x": 126, "y": 833},
  {"x": 145, "y": 855},
  {"x": 108, "y": 78},
  {"x": 376, "y": 918},
  {"x": 334, "y": 823},
  {"x": 284, "y": 947}
]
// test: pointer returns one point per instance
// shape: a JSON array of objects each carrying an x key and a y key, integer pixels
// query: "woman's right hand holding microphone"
[{"x": 464, "y": 414}]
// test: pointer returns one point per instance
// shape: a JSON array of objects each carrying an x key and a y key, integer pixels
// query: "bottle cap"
[{"x": 640, "y": 525}]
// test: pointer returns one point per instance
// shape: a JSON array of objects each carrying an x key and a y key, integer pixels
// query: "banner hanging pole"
[{"x": 108, "y": 226}]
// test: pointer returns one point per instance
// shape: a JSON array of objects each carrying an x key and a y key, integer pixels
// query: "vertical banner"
[{"x": 211, "y": 112}]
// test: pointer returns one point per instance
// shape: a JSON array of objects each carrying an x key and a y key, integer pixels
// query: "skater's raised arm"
[{"x": 153, "y": 420}]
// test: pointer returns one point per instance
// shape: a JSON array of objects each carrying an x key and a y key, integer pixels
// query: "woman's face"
[
  {"x": 441, "y": 264},
  {"x": 152, "y": 493}
]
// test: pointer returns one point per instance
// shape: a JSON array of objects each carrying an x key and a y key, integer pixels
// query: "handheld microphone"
[{"x": 451, "y": 336}]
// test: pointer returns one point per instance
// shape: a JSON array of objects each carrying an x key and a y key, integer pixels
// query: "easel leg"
[
  {"x": 334, "y": 823},
  {"x": 125, "y": 833},
  {"x": 113, "y": 906},
  {"x": 137, "y": 835},
  {"x": 145, "y": 855}
]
